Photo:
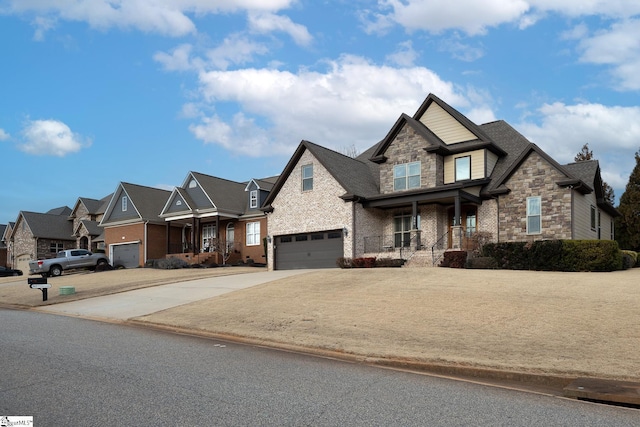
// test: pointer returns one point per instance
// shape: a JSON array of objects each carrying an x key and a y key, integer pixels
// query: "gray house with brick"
[
  {"x": 217, "y": 220},
  {"x": 436, "y": 182}
]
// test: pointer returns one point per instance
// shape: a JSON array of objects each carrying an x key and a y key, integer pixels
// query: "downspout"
[
  {"x": 353, "y": 229},
  {"x": 144, "y": 244}
]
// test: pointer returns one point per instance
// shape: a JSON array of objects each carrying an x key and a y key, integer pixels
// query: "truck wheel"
[
  {"x": 102, "y": 262},
  {"x": 55, "y": 271}
]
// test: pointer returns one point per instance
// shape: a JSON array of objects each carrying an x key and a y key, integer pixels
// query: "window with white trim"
[
  {"x": 463, "y": 168},
  {"x": 406, "y": 176},
  {"x": 253, "y": 233},
  {"x": 125, "y": 202},
  {"x": 534, "y": 215},
  {"x": 307, "y": 177},
  {"x": 593, "y": 218},
  {"x": 253, "y": 197}
]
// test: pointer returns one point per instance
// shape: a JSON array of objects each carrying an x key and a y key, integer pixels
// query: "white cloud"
[
  {"x": 475, "y": 17},
  {"x": 405, "y": 56},
  {"x": 612, "y": 132},
  {"x": 4, "y": 135},
  {"x": 471, "y": 16},
  {"x": 353, "y": 102},
  {"x": 234, "y": 50},
  {"x": 51, "y": 138},
  {"x": 618, "y": 47},
  {"x": 269, "y": 22},
  {"x": 179, "y": 59},
  {"x": 168, "y": 17}
]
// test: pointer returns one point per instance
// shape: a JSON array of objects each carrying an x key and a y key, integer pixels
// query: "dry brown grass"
[
  {"x": 16, "y": 291},
  {"x": 541, "y": 322}
]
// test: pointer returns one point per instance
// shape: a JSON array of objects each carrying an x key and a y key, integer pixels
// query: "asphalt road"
[{"x": 68, "y": 371}]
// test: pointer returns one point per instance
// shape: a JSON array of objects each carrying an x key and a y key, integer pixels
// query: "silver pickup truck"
[{"x": 67, "y": 260}]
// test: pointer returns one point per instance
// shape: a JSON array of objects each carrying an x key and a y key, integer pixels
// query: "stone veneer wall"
[
  {"x": 535, "y": 177},
  {"x": 407, "y": 147},
  {"x": 295, "y": 211}
]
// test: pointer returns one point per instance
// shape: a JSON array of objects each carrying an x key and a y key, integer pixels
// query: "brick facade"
[{"x": 297, "y": 211}]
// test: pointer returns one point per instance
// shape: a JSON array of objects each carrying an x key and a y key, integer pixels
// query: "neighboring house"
[
  {"x": 437, "y": 181},
  {"x": 3, "y": 245},
  {"x": 86, "y": 216},
  {"x": 39, "y": 235},
  {"x": 218, "y": 220},
  {"x": 133, "y": 231}
]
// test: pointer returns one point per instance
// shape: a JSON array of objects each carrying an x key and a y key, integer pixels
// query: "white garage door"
[
  {"x": 308, "y": 250},
  {"x": 127, "y": 255},
  {"x": 22, "y": 263}
]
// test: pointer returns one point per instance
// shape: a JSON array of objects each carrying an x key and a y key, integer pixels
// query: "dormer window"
[
  {"x": 406, "y": 176},
  {"x": 463, "y": 168},
  {"x": 253, "y": 199}
]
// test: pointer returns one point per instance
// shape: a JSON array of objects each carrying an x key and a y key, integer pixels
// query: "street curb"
[{"x": 525, "y": 381}]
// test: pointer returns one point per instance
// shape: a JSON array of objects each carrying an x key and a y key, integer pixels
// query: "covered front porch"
[
  {"x": 208, "y": 240},
  {"x": 423, "y": 225}
]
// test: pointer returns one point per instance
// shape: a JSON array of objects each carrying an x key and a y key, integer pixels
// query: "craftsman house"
[
  {"x": 216, "y": 220},
  {"x": 133, "y": 229},
  {"x": 437, "y": 181}
]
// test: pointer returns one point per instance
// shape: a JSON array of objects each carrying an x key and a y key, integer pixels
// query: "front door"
[{"x": 469, "y": 222}]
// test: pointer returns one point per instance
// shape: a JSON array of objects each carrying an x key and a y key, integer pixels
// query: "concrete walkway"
[{"x": 126, "y": 305}]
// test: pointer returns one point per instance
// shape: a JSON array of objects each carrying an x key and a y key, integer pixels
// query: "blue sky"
[{"x": 95, "y": 92}]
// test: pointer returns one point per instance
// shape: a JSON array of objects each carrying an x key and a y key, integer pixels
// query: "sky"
[{"x": 98, "y": 92}]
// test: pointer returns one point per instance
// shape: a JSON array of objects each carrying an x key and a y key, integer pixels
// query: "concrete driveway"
[{"x": 125, "y": 305}]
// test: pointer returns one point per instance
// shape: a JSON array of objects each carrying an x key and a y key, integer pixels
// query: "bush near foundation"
[
  {"x": 629, "y": 259},
  {"x": 454, "y": 259},
  {"x": 556, "y": 255},
  {"x": 369, "y": 262}
]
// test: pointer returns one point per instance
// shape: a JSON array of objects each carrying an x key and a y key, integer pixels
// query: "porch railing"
[
  {"x": 388, "y": 243},
  {"x": 440, "y": 245}
]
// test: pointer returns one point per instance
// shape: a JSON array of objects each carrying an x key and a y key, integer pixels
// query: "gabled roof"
[
  {"x": 146, "y": 201},
  {"x": 589, "y": 171},
  {"x": 93, "y": 227},
  {"x": 354, "y": 175},
  {"x": 93, "y": 206},
  {"x": 62, "y": 210},
  {"x": 497, "y": 186},
  {"x": 265, "y": 184},
  {"x": 49, "y": 226},
  {"x": 226, "y": 195},
  {"x": 3, "y": 229},
  {"x": 433, "y": 142}
]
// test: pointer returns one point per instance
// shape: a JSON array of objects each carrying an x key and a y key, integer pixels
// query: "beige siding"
[
  {"x": 477, "y": 166},
  {"x": 582, "y": 230},
  {"x": 445, "y": 126}
]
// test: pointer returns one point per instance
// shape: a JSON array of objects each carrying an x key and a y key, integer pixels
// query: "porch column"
[
  {"x": 456, "y": 230},
  {"x": 194, "y": 232},
  {"x": 414, "y": 224}
]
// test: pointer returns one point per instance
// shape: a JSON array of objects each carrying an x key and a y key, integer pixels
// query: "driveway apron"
[{"x": 139, "y": 302}]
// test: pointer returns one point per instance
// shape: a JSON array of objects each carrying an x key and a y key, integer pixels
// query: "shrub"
[
  {"x": 170, "y": 263},
  {"x": 389, "y": 262},
  {"x": 454, "y": 259},
  {"x": 557, "y": 255},
  {"x": 629, "y": 259},
  {"x": 344, "y": 262},
  {"x": 368, "y": 262},
  {"x": 482, "y": 262}
]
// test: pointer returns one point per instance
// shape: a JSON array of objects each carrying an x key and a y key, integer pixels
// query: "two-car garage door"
[{"x": 308, "y": 250}]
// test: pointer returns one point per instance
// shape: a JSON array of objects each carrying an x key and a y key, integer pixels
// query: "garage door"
[
  {"x": 22, "y": 263},
  {"x": 308, "y": 250},
  {"x": 127, "y": 255}
]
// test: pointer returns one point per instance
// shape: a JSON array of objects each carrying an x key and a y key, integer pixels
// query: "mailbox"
[{"x": 39, "y": 283}]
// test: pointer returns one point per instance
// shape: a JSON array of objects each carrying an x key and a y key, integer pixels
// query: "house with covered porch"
[
  {"x": 218, "y": 220},
  {"x": 436, "y": 182}
]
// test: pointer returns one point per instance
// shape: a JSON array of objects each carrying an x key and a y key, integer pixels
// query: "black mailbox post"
[{"x": 39, "y": 283}]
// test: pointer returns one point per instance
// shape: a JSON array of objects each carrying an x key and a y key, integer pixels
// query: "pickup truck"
[{"x": 67, "y": 260}]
